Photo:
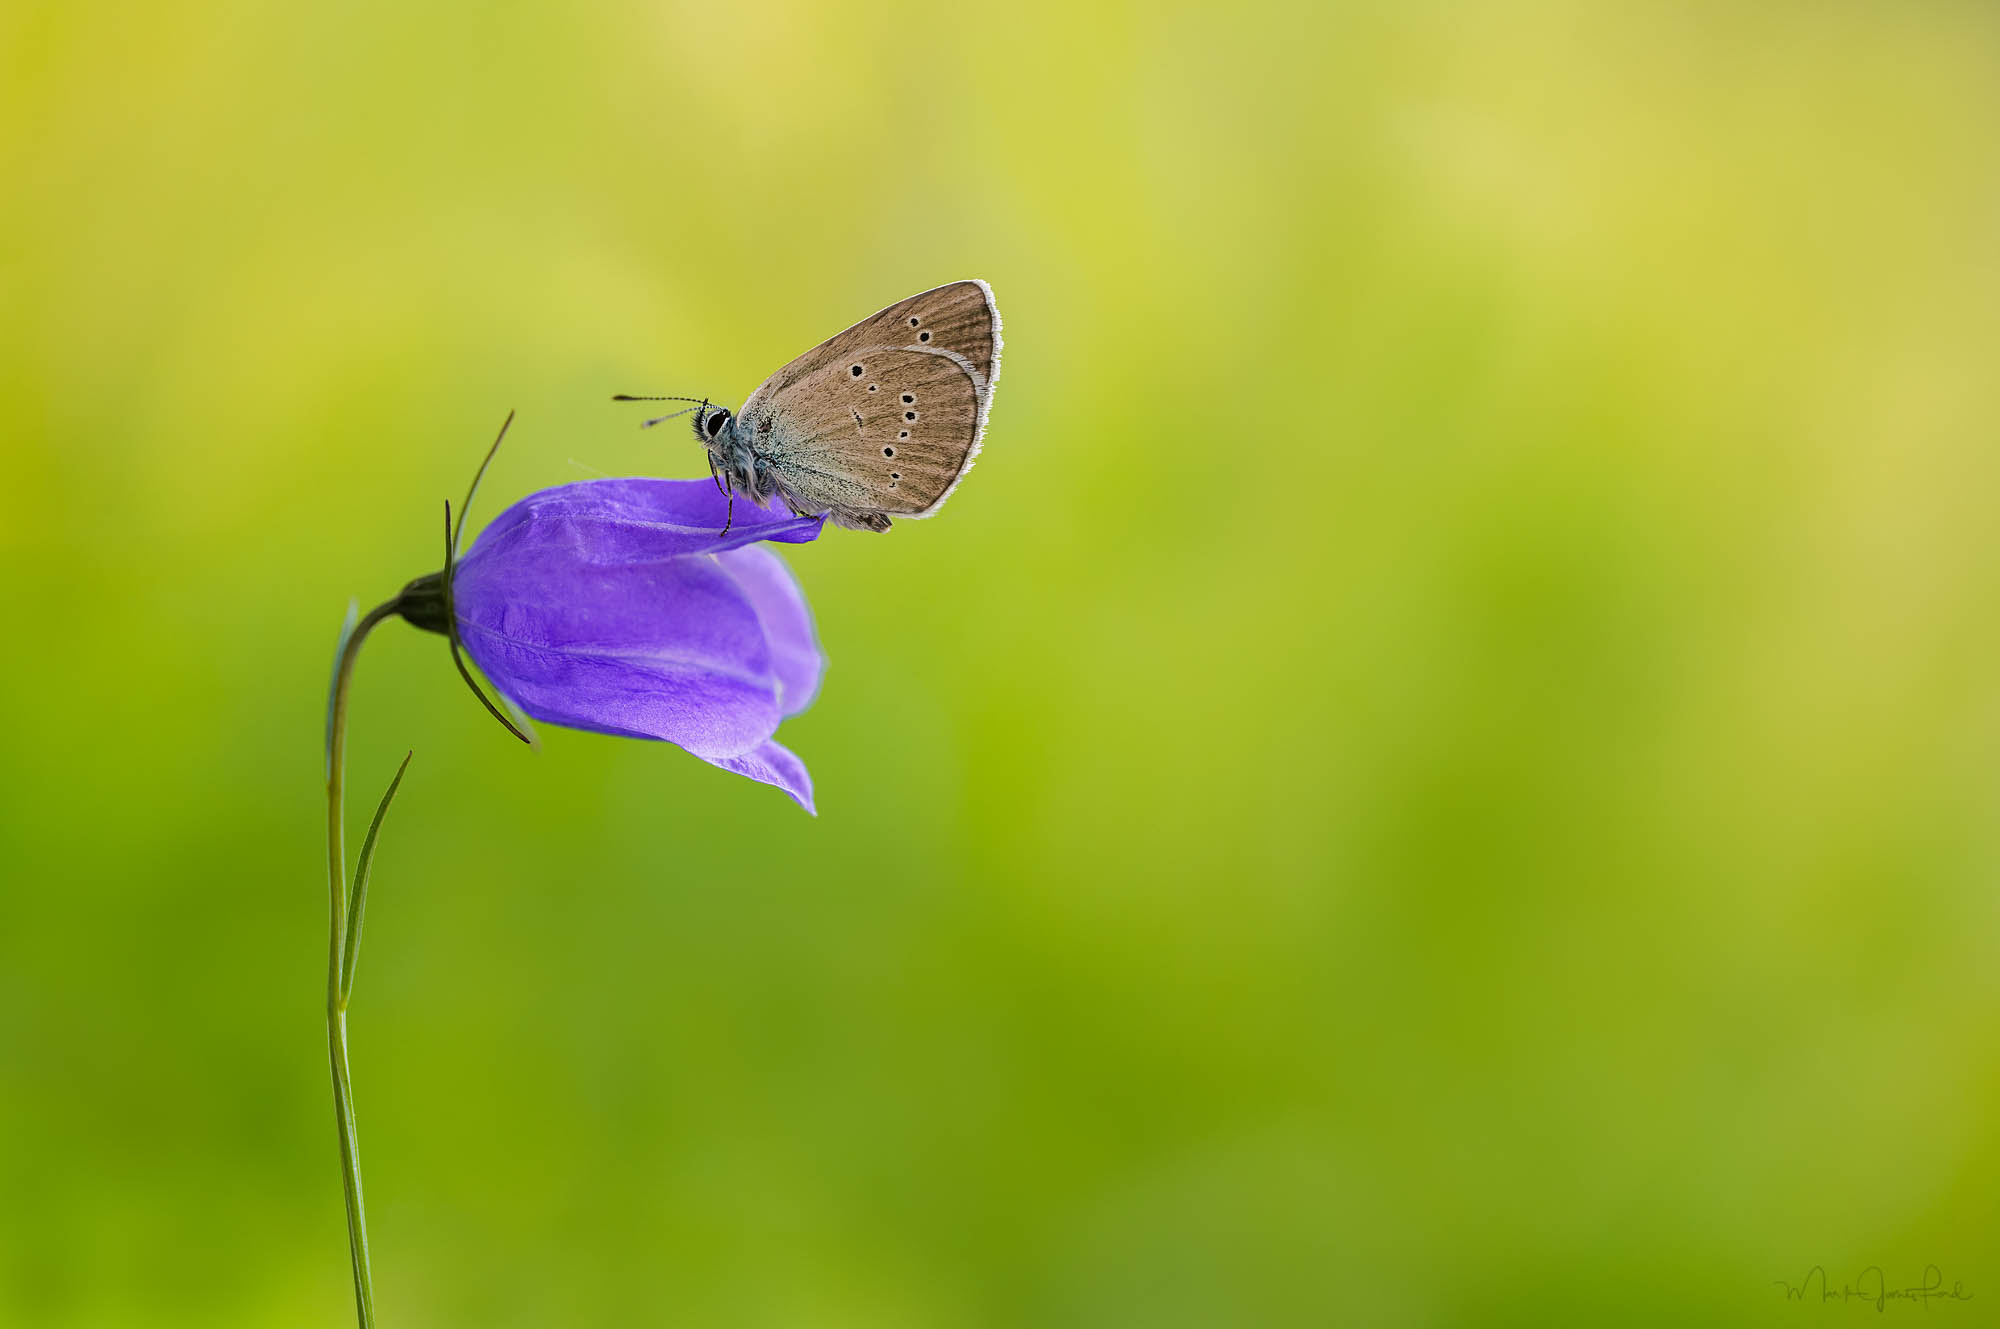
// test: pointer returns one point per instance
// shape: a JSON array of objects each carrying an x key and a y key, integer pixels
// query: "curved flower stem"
[{"x": 343, "y": 948}]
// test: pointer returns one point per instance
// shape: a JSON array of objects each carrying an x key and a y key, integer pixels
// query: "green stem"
[{"x": 339, "y": 977}]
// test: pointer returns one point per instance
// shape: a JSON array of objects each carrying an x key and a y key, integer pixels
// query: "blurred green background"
[{"x": 1444, "y": 769}]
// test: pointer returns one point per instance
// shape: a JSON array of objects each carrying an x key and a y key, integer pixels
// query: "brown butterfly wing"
[
  {"x": 890, "y": 442},
  {"x": 849, "y": 442},
  {"x": 959, "y": 317}
]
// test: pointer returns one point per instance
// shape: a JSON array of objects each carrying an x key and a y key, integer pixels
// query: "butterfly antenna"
[
  {"x": 662, "y": 419},
  {"x": 452, "y": 535},
  {"x": 624, "y": 396}
]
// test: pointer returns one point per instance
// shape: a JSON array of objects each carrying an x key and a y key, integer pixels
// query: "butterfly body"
[{"x": 881, "y": 421}]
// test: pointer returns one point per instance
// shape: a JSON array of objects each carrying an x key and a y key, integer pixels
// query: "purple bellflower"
[
  {"x": 617, "y": 606},
  {"x": 635, "y": 607}
]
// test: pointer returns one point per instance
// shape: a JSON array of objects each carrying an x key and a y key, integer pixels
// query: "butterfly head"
[{"x": 711, "y": 425}]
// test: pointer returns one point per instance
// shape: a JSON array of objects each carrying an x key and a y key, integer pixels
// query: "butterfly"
[{"x": 881, "y": 421}]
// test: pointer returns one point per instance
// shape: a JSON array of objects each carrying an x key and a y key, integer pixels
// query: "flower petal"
[
  {"x": 788, "y": 624},
  {"x": 594, "y": 605},
  {"x": 776, "y": 765},
  {"x": 631, "y": 519},
  {"x": 672, "y": 648}
]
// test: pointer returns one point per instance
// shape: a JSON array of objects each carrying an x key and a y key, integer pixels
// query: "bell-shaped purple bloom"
[{"x": 617, "y": 606}]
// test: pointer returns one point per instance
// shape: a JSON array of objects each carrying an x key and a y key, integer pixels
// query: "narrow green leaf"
[{"x": 357, "y": 901}]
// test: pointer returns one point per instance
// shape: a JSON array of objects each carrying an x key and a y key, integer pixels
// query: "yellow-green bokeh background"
[{"x": 1444, "y": 769}]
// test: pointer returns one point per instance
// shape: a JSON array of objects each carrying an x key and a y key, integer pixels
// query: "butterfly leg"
[{"x": 730, "y": 520}]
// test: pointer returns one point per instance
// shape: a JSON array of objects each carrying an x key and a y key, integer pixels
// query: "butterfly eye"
[{"x": 716, "y": 422}]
